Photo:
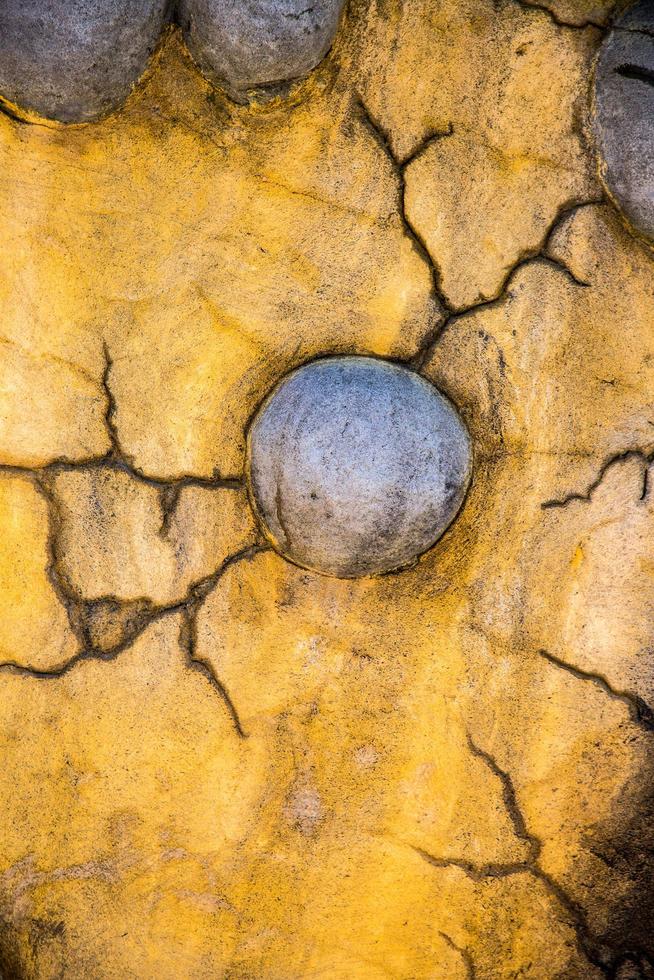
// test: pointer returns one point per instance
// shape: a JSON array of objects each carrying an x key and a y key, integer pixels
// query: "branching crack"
[
  {"x": 588, "y": 945},
  {"x": 510, "y": 801},
  {"x": 119, "y": 459},
  {"x": 147, "y": 614},
  {"x": 641, "y": 712},
  {"x": 452, "y": 312},
  {"x": 399, "y": 168}
]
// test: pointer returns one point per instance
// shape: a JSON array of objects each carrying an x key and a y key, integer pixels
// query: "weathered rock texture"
[
  {"x": 357, "y": 466},
  {"x": 247, "y": 45},
  {"x": 218, "y": 764},
  {"x": 624, "y": 115},
  {"x": 75, "y": 61}
]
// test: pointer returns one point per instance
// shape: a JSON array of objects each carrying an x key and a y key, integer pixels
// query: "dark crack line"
[
  {"x": 586, "y": 496},
  {"x": 633, "y": 30},
  {"x": 399, "y": 168},
  {"x": 640, "y": 711},
  {"x": 111, "y": 409},
  {"x": 425, "y": 143},
  {"x": 559, "y": 21},
  {"x": 476, "y": 872},
  {"x": 451, "y": 312},
  {"x": 117, "y": 459},
  {"x": 188, "y": 607},
  {"x": 168, "y": 500},
  {"x": 510, "y": 801},
  {"x": 587, "y": 944},
  {"x": 636, "y": 73},
  {"x": 203, "y": 667},
  {"x": 70, "y": 600},
  {"x": 79, "y": 609},
  {"x": 6, "y": 110},
  {"x": 109, "y": 461},
  {"x": 464, "y": 953}
]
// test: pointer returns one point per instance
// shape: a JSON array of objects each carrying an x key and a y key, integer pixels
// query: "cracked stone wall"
[{"x": 216, "y": 763}]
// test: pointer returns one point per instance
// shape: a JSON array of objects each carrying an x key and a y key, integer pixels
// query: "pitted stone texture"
[
  {"x": 357, "y": 465},
  {"x": 245, "y": 45},
  {"x": 623, "y": 118},
  {"x": 75, "y": 60}
]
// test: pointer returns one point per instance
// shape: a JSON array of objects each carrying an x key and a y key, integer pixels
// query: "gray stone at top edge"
[
  {"x": 75, "y": 60},
  {"x": 624, "y": 115},
  {"x": 357, "y": 465},
  {"x": 242, "y": 44}
]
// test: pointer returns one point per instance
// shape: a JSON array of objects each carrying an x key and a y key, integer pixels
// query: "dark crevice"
[
  {"x": 465, "y": 955},
  {"x": 637, "y": 73},
  {"x": 641, "y": 712},
  {"x": 585, "y": 496},
  {"x": 111, "y": 409},
  {"x": 68, "y": 597},
  {"x": 510, "y": 801},
  {"x": 399, "y": 167},
  {"x": 451, "y": 311},
  {"x": 559, "y": 21},
  {"x": 168, "y": 499},
  {"x": 110, "y": 462},
  {"x": 648, "y": 32},
  {"x": 201, "y": 666},
  {"x": 598, "y": 953},
  {"x": 476, "y": 872},
  {"x": 425, "y": 143},
  {"x": 145, "y": 615}
]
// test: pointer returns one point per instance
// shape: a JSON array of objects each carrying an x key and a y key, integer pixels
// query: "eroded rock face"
[
  {"x": 75, "y": 61},
  {"x": 357, "y": 465},
  {"x": 624, "y": 116},
  {"x": 245, "y": 45},
  {"x": 216, "y": 762}
]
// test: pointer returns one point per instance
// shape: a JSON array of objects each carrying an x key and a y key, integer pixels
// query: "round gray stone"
[
  {"x": 356, "y": 466},
  {"x": 623, "y": 117},
  {"x": 245, "y": 44},
  {"x": 75, "y": 60}
]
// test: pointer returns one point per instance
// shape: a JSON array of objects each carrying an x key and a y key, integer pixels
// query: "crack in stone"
[
  {"x": 187, "y": 637},
  {"x": 187, "y": 607},
  {"x": 110, "y": 462},
  {"x": 539, "y": 252},
  {"x": 589, "y": 946},
  {"x": 642, "y": 714},
  {"x": 464, "y": 953},
  {"x": 168, "y": 500},
  {"x": 559, "y": 21},
  {"x": 61, "y": 586},
  {"x": 510, "y": 801},
  {"x": 399, "y": 167},
  {"x": 123, "y": 460},
  {"x": 585, "y": 496}
]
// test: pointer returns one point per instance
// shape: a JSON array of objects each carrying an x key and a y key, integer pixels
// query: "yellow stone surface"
[
  {"x": 217, "y": 764},
  {"x": 34, "y": 628},
  {"x": 115, "y": 542}
]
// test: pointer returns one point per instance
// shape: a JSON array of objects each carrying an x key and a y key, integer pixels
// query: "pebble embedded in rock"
[
  {"x": 242, "y": 45},
  {"x": 357, "y": 465},
  {"x": 75, "y": 60},
  {"x": 623, "y": 118}
]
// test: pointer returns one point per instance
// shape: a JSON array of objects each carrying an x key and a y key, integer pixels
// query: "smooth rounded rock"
[
  {"x": 75, "y": 60},
  {"x": 245, "y": 44},
  {"x": 356, "y": 465},
  {"x": 623, "y": 116}
]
